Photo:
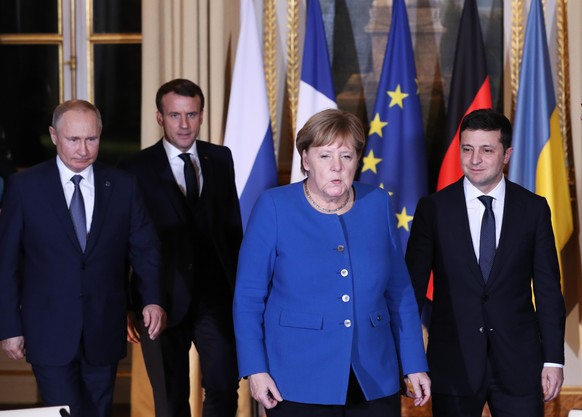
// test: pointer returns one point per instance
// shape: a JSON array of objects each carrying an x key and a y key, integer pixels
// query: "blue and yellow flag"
[
  {"x": 395, "y": 155},
  {"x": 538, "y": 160}
]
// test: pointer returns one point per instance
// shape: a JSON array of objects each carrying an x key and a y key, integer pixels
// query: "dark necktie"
[
  {"x": 77, "y": 211},
  {"x": 190, "y": 177},
  {"x": 487, "y": 240}
]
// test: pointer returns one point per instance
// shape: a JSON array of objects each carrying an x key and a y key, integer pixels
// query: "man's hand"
[
  {"x": 552, "y": 380},
  {"x": 264, "y": 390},
  {"x": 154, "y": 319},
  {"x": 132, "y": 332},
  {"x": 418, "y": 387},
  {"x": 14, "y": 347}
]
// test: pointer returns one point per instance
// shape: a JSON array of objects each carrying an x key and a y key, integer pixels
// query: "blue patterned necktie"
[
  {"x": 487, "y": 244},
  {"x": 192, "y": 193},
  {"x": 77, "y": 211}
]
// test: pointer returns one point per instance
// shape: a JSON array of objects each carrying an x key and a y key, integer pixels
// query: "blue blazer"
[
  {"x": 51, "y": 292},
  {"x": 318, "y": 294}
]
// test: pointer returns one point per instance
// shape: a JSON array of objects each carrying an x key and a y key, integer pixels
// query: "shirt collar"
[
  {"x": 66, "y": 174},
  {"x": 472, "y": 193},
  {"x": 174, "y": 152}
]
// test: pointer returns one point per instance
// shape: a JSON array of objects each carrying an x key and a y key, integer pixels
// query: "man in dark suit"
[
  {"x": 487, "y": 342},
  {"x": 190, "y": 191},
  {"x": 67, "y": 228}
]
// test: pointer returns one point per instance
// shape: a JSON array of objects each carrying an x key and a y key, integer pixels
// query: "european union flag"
[{"x": 395, "y": 156}]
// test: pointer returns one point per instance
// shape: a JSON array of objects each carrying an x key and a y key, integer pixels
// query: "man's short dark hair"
[
  {"x": 489, "y": 120},
  {"x": 181, "y": 87}
]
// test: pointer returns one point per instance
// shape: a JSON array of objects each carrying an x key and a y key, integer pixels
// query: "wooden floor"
[{"x": 557, "y": 408}]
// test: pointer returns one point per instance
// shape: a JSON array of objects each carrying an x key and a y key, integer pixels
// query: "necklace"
[{"x": 318, "y": 207}]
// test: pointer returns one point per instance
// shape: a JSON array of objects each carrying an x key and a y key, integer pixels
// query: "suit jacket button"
[
  {"x": 344, "y": 273},
  {"x": 347, "y": 323},
  {"x": 340, "y": 248},
  {"x": 345, "y": 298},
  {"x": 378, "y": 317},
  {"x": 481, "y": 329}
]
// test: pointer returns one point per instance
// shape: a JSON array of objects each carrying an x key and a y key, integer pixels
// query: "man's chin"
[{"x": 80, "y": 166}]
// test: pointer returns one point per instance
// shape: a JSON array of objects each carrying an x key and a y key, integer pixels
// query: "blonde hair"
[{"x": 329, "y": 126}]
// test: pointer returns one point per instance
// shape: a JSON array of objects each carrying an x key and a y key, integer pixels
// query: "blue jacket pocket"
[
  {"x": 380, "y": 318},
  {"x": 301, "y": 320}
]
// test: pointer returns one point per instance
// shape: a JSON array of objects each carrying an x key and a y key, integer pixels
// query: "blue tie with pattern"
[
  {"x": 77, "y": 211},
  {"x": 487, "y": 244}
]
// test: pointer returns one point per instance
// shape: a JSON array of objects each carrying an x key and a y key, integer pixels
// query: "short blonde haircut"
[{"x": 330, "y": 126}]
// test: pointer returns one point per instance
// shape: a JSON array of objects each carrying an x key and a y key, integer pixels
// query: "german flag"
[{"x": 470, "y": 90}]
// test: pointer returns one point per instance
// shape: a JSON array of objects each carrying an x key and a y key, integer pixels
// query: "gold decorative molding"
[
  {"x": 73, "y": 58},
  {"x": 270, "y": 61},
  {"x": 517, "y": 39},
  {"x": 115, "y": 38},
  {"x": 31, "y": 39},
  {"x": 293, "y": 60},
  {"x": 563, "y": 71}
]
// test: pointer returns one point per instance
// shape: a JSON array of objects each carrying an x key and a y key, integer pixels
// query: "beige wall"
[{"x": 573, "y": 273}]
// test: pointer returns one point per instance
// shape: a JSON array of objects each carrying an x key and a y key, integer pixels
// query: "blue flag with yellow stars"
[{"x": 395, "y": 155}]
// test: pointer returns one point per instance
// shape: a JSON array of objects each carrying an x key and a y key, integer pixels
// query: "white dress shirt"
[
  {"x": 475, "y": 210},
  {"x": 177, "y": 164}
]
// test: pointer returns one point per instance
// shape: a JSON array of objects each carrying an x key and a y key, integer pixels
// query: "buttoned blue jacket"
[{"x": 318, "y": 294}]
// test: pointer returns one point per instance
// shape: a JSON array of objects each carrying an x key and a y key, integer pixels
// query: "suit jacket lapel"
[
  {"x": 56, "y": 199},
  {"x": 169, "y": 186},
  {"x": 460, "y": 218},
  {"x": 512, "y": 216},
  {"x": 103, "y": 189},
  {"x": 207, "y": 169}
]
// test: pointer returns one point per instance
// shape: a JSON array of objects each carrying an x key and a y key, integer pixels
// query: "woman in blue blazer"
[{"x": 324, "y": 311}]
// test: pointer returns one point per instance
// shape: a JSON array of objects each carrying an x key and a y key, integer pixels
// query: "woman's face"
[{"x": 330, "y": 168}]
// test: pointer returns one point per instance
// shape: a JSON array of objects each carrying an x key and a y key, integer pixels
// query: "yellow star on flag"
[
  {"x": 404, "y": 219},
  {"x": 397, "y": 96},
  {"x": 377, "y": 125},
  {"x": 370, "y": 162}
]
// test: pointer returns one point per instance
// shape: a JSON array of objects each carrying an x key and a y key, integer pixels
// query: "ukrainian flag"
[{"x": 538, "y": 159}]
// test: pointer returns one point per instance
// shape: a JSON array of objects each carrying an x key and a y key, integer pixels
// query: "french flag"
[
  {"x": 248, "y": 127},
  {"x": 316, "y": 92}
]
